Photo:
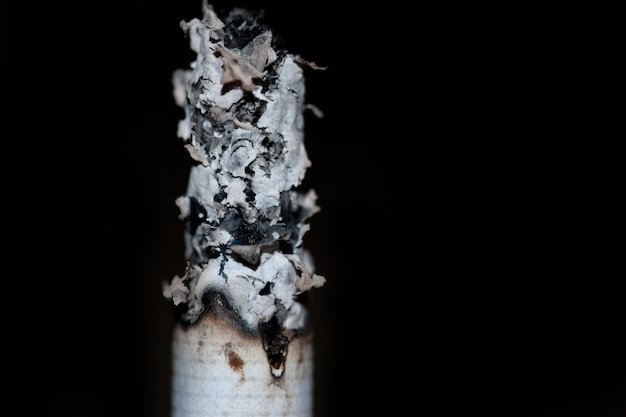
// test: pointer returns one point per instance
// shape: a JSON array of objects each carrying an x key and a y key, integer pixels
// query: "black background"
[{"x": 470, "y": 230}]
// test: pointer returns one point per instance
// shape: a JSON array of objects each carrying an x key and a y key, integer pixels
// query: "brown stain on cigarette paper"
[{"x": 234, "y": 360}]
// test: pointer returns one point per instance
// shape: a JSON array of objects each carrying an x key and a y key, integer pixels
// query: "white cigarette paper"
[{"x": 242, "y": 345}]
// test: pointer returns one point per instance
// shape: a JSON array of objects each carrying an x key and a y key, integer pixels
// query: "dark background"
[{"x": 470, "y": 231}]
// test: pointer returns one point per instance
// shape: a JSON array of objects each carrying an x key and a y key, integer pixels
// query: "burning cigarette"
[{"x": 242, "y": 344}]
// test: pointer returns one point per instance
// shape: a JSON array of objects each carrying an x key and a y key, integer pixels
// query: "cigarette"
[{"x": 242, "y": 344}]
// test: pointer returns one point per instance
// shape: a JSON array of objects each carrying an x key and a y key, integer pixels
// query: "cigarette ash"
[{"x": 244, "y": 215}]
